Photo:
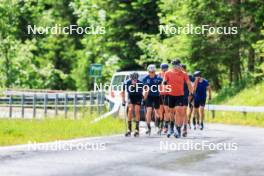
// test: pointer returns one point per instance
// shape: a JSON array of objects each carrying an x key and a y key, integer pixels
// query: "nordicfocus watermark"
[
  {"x": 65, "y": 146},
  {"x": 132, "y": 88},
  {"x": 190, "y": 29},
  {"x": 189, "y": 145},
  {"x": 66, "y": 30}
]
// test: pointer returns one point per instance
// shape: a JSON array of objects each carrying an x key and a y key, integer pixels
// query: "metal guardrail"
[
  {"x": 114, "y": 107},
  {"x": 56, "y": 101},
  {"x": 50, "y": 100},
  {"x": 242, "y": 109}
]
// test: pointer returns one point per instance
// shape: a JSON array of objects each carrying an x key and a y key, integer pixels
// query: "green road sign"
[{"x": 96, "y": 70}]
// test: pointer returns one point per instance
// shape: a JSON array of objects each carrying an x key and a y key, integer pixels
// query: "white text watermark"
[
  {"x": 189, "y": 145},
  {"x": 66, "y": 30},
  {"x": 65, "y": 146},
  {"x": 190, "y": 29}
]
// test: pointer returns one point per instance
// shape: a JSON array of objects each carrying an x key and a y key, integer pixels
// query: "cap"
[
  {"x": 164, "y": 66},
  {"x": 197, "y": 73},
  {"x": 134, "y": 76},
  {"x": 151, "y": 68},
  {"x": 176, "y": 62}
]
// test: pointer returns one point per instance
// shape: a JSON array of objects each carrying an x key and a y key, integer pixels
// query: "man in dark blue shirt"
[
  {"x": 201, "y": 87},
  {"x": 152, "y": 95},
  {"x": 134, "y": 89}
]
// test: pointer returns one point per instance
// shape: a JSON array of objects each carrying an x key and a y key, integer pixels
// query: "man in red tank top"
[{"x": 176, "y": 78}]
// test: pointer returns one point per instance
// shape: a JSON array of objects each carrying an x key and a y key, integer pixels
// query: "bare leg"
[
  {"x": 162, "y": 112},
  {"x": 185, "y": 119},
  {"x": 137, "y": 110},
  {"x": 166, "y": 118},
  {"x": 189, "y": 115},
  {"x": 179, "y": 119},
  {"x": 194, "y": 116},
  {"x": 180, "y": 112},
  {"x": 201, "y": 114},
  {"x": 185, "y": 122},
  {"x": 172, "y": 117},
  {"x": 130, "y": 116},
  {"x": 148, "y": 117},
  {"x": 157, "y": 116},
  {"x": 161, "y": 115}
]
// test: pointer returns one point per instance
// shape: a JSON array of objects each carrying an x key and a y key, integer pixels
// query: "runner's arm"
[
  {"x": 209, "y": 91},
  {"x": 123, "y": 93},
  {"x": 145, "y": 89},
  {"x": 145, "y": 94},
  {"x": 165, "y": 79},
  {"x": 123, "y": 96},
  {"x": 188, "y": 82},
  {"x": 195, "y": 85}
]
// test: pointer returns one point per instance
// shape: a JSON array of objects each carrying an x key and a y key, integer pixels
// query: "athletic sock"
[
  {"x": 158, "y": 122},
  {"x": 172, "y": 125},
  {"x": 166, "y": 124},
  {"x": 185, "y": 127},
  {"x": 137, "y": 126},
  {"x": 179, "y": 129},
  {"x": 161, "y": 123},
  {"x": 194, "y": 121},
  {"x": 149, "y": 126},
  {"x": 129, "y": 125}
]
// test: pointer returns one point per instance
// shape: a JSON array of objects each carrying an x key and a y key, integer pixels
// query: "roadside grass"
[
  {"x": 249, "y": 96},
  {"x": 237, "y": 118},
  {"x": 253, "y": 96},
  {"x": 22, "y": 131}
]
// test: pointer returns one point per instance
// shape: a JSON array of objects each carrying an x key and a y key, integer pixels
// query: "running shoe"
[
  {"x": 136, "y": 134},
  {"x": 177, "y": 133},
  {"x": 148, "y": 132},
  {"x": 128, "y": 134},
  {"x": 202, "y": 126},
  {"x": 184, "y": 134},
  {"x": 170, "y": 132},
  {"x": 194, "y": 123}
]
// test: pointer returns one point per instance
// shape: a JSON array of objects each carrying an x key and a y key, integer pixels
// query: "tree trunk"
[
  {"x": 251, "y": 59},
  {"x": 236, "y": 61},
  {"x": 231, "y": 74}
]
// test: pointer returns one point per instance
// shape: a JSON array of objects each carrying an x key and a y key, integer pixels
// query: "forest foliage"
[{"x": 132, "y": 40}]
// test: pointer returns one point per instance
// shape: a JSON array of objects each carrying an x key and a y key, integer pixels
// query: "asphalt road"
[{"x": 117, "y": 155}]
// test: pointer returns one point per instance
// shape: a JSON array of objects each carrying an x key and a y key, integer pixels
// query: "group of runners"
[{"x": 172, "y": 96}]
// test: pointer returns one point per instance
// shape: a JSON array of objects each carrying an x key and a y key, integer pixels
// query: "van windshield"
[
  {"x": 141, "y": 77},
  {"x": 117, "y": 82},
  {"x": 119, "y": 79}
]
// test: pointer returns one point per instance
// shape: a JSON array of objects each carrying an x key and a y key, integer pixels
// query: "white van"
[{"x": 116, "y": 86}]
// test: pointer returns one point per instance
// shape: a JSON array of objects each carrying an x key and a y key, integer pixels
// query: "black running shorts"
[
  {"x": 175, "y": 101},
  {"x": 185, "y": 101},
  {"x": 199, "y": 102},
  {"x": 153, "y": 102},
  {"x": 135, "y": 99}
]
